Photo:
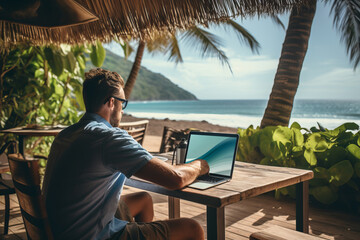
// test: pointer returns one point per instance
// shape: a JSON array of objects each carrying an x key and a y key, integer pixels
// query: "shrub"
[{"x": 333, "y": 156}]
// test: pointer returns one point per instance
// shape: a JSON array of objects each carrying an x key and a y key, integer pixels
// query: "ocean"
[{"x": 243, "y": 113}]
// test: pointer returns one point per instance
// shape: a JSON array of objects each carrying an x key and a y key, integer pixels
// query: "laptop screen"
[{"x": 218, "y": 149}]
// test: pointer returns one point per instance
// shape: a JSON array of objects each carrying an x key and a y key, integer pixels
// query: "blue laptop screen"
[{"x": 218, "y": 150}]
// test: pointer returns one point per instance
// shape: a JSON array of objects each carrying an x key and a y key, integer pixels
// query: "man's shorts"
[{"x": 158, "y": 230}]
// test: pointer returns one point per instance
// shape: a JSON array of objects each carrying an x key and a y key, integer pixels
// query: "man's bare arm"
[{"x": 172, "y": 177}]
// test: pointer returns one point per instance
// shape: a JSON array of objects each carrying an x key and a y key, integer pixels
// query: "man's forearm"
[{"x": 172, "y": 177}]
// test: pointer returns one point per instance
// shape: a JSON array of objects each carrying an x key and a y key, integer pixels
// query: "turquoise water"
[{"x": 242, "y": 113}]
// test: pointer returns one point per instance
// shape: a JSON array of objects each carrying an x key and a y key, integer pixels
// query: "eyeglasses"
[{"x": 124, "y": 102}]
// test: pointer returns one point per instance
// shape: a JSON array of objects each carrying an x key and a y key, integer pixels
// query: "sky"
[{"x": 326, "y": 74}]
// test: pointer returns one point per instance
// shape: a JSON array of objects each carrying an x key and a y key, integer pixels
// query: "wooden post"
[
  {"x": 174, "y": 207},
  {"x": 215, "y": 218},
  {"x": 302, "y": 207}
]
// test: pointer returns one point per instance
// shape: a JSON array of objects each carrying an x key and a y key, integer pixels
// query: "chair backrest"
[
  {"x": 26, "y": 178},
  {"x": 7, "y": 148},
  {"x": 172, "y": 137},
  {"x": 136, "y": 129},
  {"x": 10, "y": 146}
]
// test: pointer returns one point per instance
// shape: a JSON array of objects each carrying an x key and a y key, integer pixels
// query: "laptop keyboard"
[{"x": 208, "y": 178}]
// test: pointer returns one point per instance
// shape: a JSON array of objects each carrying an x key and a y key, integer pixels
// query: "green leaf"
[
  {"x": 15, "y": 103},
  {"x": 297, "y": 149},
  {"x": 55, "y": 60},
  {"x": 310, "y": 157},
  {"x": 341, "y": 173},
  {"x": 80, "y": 101},
  {"x": 298, "y": 137},
  {"x": 282, "y": 134},
  {"x": 358, "y": 141},
  {"x": 316, "y": 143},
  {"x": 353, "y": 185},
  {"x": 97, "y": 54},
  {"x": 70, "y": 62},
  {"x": 320, "y": 172},
  {"x": 324, "y": 194},
  {"x": 354, "y": 152},
  {"x": 81, "y": 61},
  {"x": 295, "y": 125},
  {"x": 321, "y": 146},
  {"x": 334, "y": 155},
  {"x": 318, "y": 182},
  {"x": 347, "y": 126},
  {"x": 357, "y": 168},
  {"x": 314, "y": 129},
  {"x": 39, "y": 73}
]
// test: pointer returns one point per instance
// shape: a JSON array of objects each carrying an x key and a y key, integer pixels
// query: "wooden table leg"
[
  {"x": 215, "y": 218},
  {"x": 302, "y": 207},
  {"x": 174, "y": 207}
]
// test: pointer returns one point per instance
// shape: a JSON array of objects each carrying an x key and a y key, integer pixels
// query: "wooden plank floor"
[{"x": 242, "y": 218}]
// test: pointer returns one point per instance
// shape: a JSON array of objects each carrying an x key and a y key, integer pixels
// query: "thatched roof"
[{"x": 116, "y": 18}]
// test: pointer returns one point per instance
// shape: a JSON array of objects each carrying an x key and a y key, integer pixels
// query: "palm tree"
[
  {"x": 209, "y": 45},
  {"x": 346, "y": 19}
]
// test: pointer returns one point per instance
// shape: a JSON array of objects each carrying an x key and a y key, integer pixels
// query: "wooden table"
[
  {"x": 23, "y": 133},
  {"x": 249, "y": 180}
]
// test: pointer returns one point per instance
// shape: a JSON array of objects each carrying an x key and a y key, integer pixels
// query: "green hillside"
[{"x": 149, "y": 85}]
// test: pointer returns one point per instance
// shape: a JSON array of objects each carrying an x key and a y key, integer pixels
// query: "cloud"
[
  {"x": 336, "y": 76},
  {"x": 207, "y": 78},
  {"x": 337, "y": 83}
]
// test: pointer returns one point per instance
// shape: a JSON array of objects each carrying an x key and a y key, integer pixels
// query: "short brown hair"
[{"x": 99, "y": 85}]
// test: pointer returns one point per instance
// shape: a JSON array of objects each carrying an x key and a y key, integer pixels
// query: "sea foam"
[{"x": 242, "y": 121}]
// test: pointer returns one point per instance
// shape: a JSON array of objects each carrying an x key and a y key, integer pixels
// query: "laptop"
[{"x": 219, "y": 150}]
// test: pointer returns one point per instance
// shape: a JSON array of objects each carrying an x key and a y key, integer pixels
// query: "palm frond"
[
  {"x": 347, "y": 21},
  {"x": 207, "y": 43},
  {"x": 158, "y": 42},
  {"x": 174, "y": 50},
  {"x": 278, "y": 22},
  {"x": 242, "y": 34}
]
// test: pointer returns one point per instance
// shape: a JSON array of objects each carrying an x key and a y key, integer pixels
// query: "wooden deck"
[{"x": 242, "y": 218}]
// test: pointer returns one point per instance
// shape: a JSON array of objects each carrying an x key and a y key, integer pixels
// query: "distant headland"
[{"x": 149, "y": 85}]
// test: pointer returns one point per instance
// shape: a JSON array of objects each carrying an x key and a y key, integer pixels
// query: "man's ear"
[{"x": 111, "y": 103}]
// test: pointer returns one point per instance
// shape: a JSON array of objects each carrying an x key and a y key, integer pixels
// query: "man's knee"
[
  {"x": 196, "y": 229},
  {"x": 147, "y": 197},
  {"x": 185, "y": 228}
]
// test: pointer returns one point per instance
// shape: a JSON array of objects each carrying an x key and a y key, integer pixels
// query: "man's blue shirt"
[{"x": 86, "y": 170}]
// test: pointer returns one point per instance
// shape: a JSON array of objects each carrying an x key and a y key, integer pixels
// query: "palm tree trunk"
[
  {"x": 134, "y": 70},
  {"x": 286, "y": 80}
]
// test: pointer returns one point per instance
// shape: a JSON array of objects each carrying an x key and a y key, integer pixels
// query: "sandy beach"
[{"x": 155, "y": 130}]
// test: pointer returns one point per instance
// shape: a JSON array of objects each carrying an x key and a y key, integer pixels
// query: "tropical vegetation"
[
  {"x": 333, "y": 156},
  {"x": 43, "y": 86},
  {"x": 286, "y": 81}
]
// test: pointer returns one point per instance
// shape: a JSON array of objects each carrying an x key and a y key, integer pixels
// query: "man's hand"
[
  {"x": 203, "y": 166},
  {"x": 172, "y": 177}
]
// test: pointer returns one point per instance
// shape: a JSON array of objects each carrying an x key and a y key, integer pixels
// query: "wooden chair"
[
  {"x": 6, "y": 186},
  {"x": 26, "y": 178},
  {"x": 172, "y": 137},
  {"x": 136, "y": 129}
]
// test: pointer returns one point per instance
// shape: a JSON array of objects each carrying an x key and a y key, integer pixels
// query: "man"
[{"x": 88, "y": 164}]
